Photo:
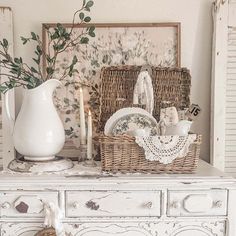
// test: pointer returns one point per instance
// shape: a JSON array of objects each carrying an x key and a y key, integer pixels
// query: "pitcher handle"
[{"x": 7, "y": 107}]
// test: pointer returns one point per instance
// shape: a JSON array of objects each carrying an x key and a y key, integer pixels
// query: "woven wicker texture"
[
  {"x": 117, "y": 86},
  {"x": 122, "y": 154},
  {"x": 46, "y": 232}
]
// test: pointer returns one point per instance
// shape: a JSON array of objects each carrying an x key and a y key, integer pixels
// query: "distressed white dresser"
[{"x": 201, "y": 204}]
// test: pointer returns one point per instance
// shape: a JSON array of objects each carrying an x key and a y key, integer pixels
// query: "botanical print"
[{"x": 155, "y": 45}]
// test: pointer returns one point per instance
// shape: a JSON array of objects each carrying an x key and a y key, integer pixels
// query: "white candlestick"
[
  {"x": 89, "y": 137},
  {"x": 82, "y": 118}
]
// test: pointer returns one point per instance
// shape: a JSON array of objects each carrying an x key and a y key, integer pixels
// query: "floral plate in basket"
[{"x": 129, "y": 120}]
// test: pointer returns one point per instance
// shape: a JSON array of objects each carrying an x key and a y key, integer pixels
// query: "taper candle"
[
  {"x": 82, "y": 118},
  {"x": 89, "y": 137}
]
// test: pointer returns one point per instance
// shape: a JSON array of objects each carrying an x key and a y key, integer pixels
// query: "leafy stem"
[{"x": 59, "y": 39}]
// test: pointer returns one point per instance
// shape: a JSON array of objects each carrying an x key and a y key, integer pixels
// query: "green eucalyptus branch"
[{"x": 20, "y": 74}]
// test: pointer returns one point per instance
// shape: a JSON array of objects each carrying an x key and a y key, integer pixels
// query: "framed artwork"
[{"x": 115, "y": 44}]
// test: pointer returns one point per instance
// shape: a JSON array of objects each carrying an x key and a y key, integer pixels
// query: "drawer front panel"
[
  {"x": 112, "y": 203},
  {"x": 197, "y": 203},
  {"x": 25, "y": 204}
]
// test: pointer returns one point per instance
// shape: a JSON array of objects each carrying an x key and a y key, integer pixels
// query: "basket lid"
[{"x": 117, "y": 86}]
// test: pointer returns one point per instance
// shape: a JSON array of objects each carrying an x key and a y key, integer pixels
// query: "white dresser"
[{"x": 201, "y": 204}]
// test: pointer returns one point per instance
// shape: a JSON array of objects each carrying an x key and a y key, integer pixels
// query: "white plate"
[{"x": 126, "y": 120}]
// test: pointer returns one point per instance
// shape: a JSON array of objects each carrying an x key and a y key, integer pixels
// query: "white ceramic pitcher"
[{"x": 38, "y": 131}]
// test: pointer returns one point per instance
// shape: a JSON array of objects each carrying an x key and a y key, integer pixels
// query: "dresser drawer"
[
  {"x": 25, "y": 203},
  {"x": 112, "y": 203},
  {"x": 197, "y": 203}
]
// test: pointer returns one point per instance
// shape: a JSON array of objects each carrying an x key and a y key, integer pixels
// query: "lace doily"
[{"x": 165, "y": 148}]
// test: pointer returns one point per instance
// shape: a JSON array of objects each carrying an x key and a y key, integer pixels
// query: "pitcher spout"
[
  {"x": 51, "y": 85},
  {"x": 45, "y": 90}
]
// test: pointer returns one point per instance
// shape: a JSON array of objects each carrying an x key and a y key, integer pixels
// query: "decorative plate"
[{"x": 129, "y": 120}]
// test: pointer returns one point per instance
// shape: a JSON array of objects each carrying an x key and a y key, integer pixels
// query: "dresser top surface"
[{"x": 81, "y": 174}]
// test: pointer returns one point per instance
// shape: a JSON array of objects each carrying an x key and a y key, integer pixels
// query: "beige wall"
[{"x": 194, "y": 15}]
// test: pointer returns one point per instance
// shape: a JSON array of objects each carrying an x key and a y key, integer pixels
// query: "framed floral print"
[{"x": 155, "y": 44}]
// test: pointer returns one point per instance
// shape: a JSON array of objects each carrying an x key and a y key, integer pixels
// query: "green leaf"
[
  {"x": 48, "y": 58},
  {"x": 9, "y": 85},
  {"x": 91, "y": 28},
  {"x": 87, "y": 19},
  {"x": 5, "y": 43},
  {"x": 33, "y": 70},
  {"x": 24, "y": 40},
  {"x": 55, "y": 35},
  {"x": 39, "y": 49},
  {"x": 75, "y": 60},
  {"x": 19, "y": 72},
  {"x": 67, "y": 36},
  {"x": 87, "y": 9},
  {"x": 61, "y": 46},
  {"x": 55, "y": 47},
  {"x": 89, "y": 4},
  {"x": 3, "y": 88},
  {"x": 81, "y": 15},
  {"x": 49, "y": 70},
  {"x": 14, "y": 70},
  {"x": 59, "y": 25},
  {"x": 92, "y": 34},
  {"x": 84, "y": 40},
  {"x": 33, "y": 36},
  {"x": 5, "y": 61},
  {"x": 12, "y": 82},
  {"x": 37, "y": 61},
  {"x": 17, "y": 60}
]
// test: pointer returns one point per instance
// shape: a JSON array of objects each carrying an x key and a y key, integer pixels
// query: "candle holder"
[
  {"x": 90, "y": 163},
  {"x": 83, "y": 153}
]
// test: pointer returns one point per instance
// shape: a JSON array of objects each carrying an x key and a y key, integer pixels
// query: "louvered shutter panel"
[{"x": 230, "y": 103}]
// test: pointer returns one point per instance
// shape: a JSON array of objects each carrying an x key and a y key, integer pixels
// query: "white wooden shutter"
[
  {"x": 223, "y": 132},
  {"x": 230, "y": 104},
  {"x": 7, "y": 152},
  {"x": 230, "y": 100}
]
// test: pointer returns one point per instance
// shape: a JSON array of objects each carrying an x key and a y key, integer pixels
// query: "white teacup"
[{"x": 181, "y": 129}]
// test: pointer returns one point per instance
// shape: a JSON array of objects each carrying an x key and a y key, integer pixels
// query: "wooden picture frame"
[
  {"x": 7, "y": 151},
  {"x": 114, "y": 44}
]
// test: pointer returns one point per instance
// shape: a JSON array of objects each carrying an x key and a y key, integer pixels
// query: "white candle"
[
  {"x": 89, "y": 137},
  {"x": 82, "y": 118}
]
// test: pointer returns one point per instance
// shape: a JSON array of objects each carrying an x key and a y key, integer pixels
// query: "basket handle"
[{"x": 147, "y": 68}]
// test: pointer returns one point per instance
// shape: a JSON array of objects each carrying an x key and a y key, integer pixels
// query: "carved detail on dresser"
[{"x": 204, "y": 228}]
